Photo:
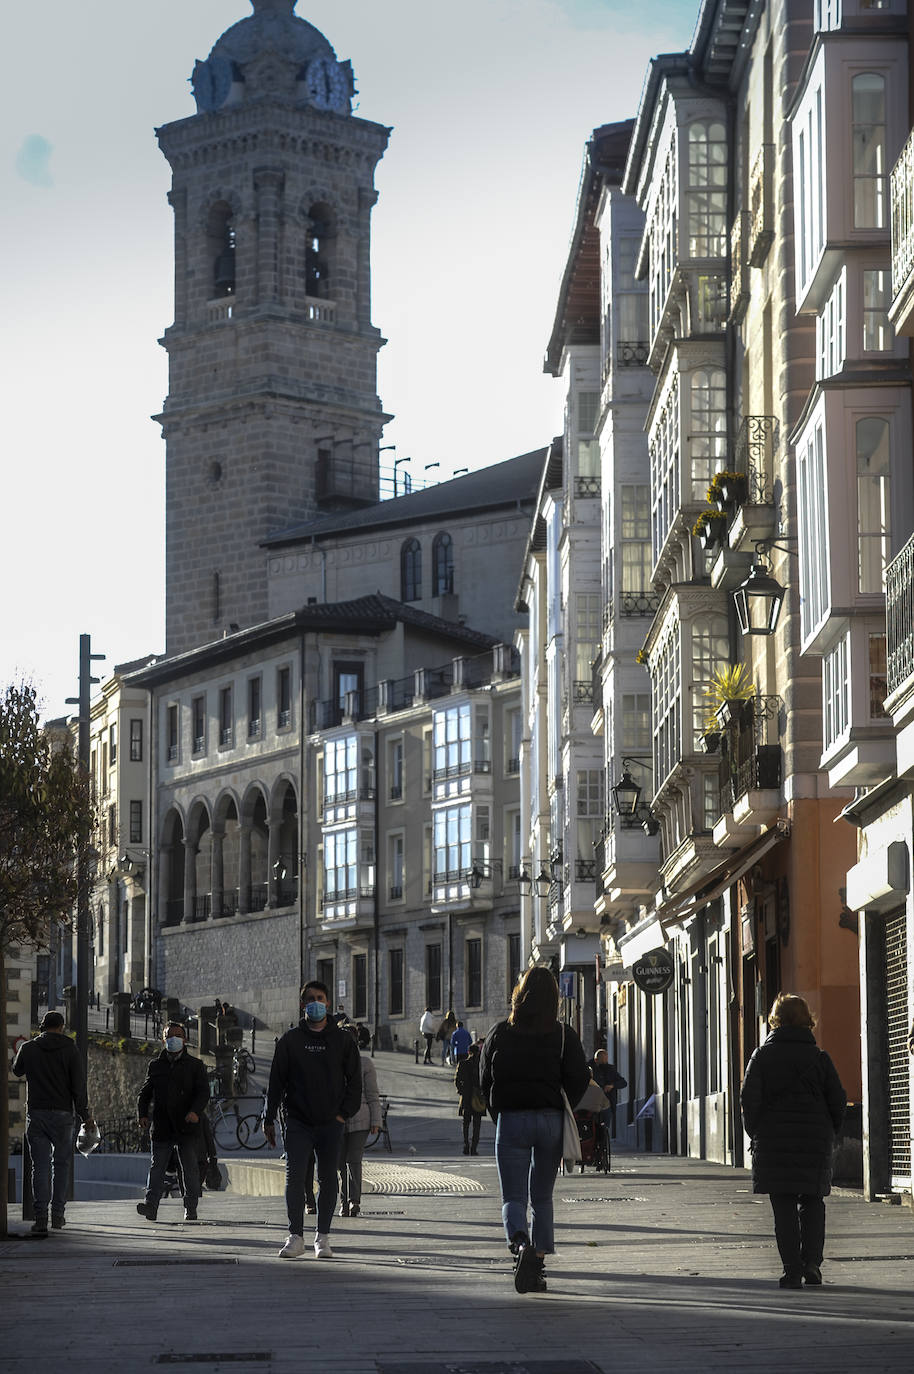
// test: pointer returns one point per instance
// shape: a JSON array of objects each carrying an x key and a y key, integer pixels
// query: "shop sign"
[{"x": 653, "y": 972}]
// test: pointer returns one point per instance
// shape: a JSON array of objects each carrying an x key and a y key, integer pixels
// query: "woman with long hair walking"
[{"x": 526, "y": 1062}]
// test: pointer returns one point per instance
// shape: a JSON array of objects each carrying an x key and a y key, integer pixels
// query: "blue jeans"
[
  {"x": 301, "y": 1142},
  {"x": 188, "y": 1148},
  {"x": 50, "y": 1135},
  {"x": 528, "y": 1151}
]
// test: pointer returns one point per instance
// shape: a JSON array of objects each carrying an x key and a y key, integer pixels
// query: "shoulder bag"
[{"x": 571, "y": 1139}]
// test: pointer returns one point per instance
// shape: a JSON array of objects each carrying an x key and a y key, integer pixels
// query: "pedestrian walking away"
[
  {"x": 472, "y": 1105},
  {"x": 444, "y": 1033},
  {"x": 793, "y": 1105},
  {"x": 53, "y": 1070},
  {"x": 174, "y": 1098},
  {"x": 526, "y": 1062},
  {"x": 316, "y": 1078},
  {"x": 461, "y": 1040},
  {"x": 427, "y": 1028},
  {"x": 607, "y": 1076},
  {"x": 365, "y": 1122}
]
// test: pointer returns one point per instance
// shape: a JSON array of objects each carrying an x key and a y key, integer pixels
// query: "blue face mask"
[
  {"x": 315, "y": 1011},
  {"x": 174, "y": 1044}
]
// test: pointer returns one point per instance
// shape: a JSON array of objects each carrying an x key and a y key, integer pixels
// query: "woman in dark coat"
[
  {"x": 526, "y": 1061},
  {"x": 793, "y": 1105},
  {"x": 471, "y": 1106}
]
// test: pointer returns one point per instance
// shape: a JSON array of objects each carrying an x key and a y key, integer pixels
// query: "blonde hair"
[{"x": 790, "y": 1010}]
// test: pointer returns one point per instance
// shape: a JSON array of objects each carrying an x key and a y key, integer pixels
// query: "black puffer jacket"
[
  {"x": 524, "y": 1072},
  {"x": 174, "y": 1087},
  {"x": 793, "y": 1105}
]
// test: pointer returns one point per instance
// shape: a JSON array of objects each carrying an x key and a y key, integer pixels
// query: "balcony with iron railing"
[
  {"x": 901, "y": 311},
  {"x": 739, "y": 267},
  {"x": 899, "y": 615},
  {"x": 750, "y": 766},
  {"x": 761, "y": 206},
  {"x": 754, "y": 454},
  {"x": 397, "y": 694}
]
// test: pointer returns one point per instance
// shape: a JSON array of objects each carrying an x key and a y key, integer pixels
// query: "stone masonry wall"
[{"x": 251, "y": 961}]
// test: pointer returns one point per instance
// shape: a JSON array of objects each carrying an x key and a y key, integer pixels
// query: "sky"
[{"x": 490, "y": 103}]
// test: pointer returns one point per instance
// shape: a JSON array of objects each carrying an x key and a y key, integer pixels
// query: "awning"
[{"x": 710, "y": 885}]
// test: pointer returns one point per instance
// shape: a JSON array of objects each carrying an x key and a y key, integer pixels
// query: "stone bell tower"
[{"x": 272, "y": 415}]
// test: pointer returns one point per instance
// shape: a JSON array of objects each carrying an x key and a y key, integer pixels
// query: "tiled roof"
[
  {"x": 375, "y": 614},
  {"x": 512, "y": 483}
]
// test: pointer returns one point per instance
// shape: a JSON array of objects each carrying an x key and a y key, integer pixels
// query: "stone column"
[
  {"x": 367, "y": 200},
  {"x": 244, "y": 867},
  {"x": 164, "y": 884},
  {"x": 178, "y": 202},
  {"x": 273, "y": 838},
  {"x": 190, "y": 879},
  {"x": 216, "y": 878},
  {"x": 268, "y": 184}
]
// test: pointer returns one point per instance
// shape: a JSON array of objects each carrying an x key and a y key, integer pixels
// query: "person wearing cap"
[{"x": 53, "y": 1069}]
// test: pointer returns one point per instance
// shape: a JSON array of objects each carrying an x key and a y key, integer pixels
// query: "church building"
[{"x": 335, "y": 727}]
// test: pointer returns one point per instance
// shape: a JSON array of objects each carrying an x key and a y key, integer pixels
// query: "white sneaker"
[
  {"x": 293, "y": 1248},
  {"x": 321, "y": 1246}
]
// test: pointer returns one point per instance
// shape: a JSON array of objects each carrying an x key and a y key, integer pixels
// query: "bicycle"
[
  {"x": 250, "y": 1130},
  {"x": 384, "y": 1132},
  {"x": 225, "y": 1130}
]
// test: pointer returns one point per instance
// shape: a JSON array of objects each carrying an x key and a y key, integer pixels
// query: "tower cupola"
[{"x": 273, "y": 53}]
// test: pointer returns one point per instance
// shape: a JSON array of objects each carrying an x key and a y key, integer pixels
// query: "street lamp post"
[{"x": 83, "y": 971}]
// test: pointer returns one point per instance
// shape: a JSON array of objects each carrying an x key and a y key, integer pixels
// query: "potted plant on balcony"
[
  {"x": 728, "y": 691},
  {"x": 727, "y": 489},
  {"x": 709, "y": 529}
]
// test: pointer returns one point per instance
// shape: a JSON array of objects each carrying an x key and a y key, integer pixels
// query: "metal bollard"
[{"x": 416, "y": 1048}]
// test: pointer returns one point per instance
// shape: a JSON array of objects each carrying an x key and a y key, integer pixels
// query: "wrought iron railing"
[
  {"x": 587, "y": 486},
  {"x": 203, "y": 906},
  {"x": 585, "y": 870},
  {"x": 583, "y": 692},
  {"x": 632, "y": 353},
  {"x": 174, "y": 911},
  {"x": 903, "y": 217},
  {"x": 754, "y": 454},
  {"x": 639, "y": 603},
  {"x": 750, "y": 756},
  {"x": 899, "y": 615},
  {"x": 287, "y": 892}
]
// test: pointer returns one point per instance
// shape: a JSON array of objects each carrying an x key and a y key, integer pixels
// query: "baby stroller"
[{"x": 595, "y": 1146}]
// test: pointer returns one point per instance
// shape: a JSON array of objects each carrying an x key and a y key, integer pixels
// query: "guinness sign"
[{"x": 653, "y": 972}]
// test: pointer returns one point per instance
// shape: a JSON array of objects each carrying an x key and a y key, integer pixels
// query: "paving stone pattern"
[{"x": 667, "y": 1264}]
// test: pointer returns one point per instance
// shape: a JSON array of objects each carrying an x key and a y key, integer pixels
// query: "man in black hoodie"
[
  {"x": 317, "y": 1077},
  {"x": 54, "y": 1072},
  {"x": 177, "y": 1090}
]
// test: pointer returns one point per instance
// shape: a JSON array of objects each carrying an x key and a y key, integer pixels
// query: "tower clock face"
[{"x": 327, "y": 86}]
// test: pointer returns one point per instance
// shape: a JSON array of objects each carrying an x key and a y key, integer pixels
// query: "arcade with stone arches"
[{"x": 230, "y": 855}]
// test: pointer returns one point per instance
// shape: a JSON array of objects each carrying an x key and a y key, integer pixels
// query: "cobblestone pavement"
[{"x": 665, "y": 1264}]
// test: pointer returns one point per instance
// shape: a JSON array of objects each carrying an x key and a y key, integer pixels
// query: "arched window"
[
  {"x": 318, "y": 252},
  {"x": 442, "y": 565},
  {"x": 220, "y": 234},
  {"x": 707, "y": 189},
  {"x": 411, "y": 571},
  {"x": 874, "y": 530},
  {"x": 868, "y": 104}
]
